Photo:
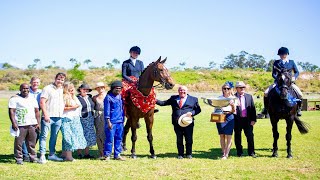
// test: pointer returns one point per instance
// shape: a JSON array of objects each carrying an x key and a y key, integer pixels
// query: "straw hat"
[
  {"x": 99, "y": 84},
  {"x": 240, "y": 84},
  {"x": 184, "y": 120}
]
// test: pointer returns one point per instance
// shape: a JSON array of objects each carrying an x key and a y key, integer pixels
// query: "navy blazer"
[
  {"x": 289, "y": 66},
  {"x": 128, "y": 69},
  {"x": 190, "y": 105},
  {"x": 251, "y": 109}
]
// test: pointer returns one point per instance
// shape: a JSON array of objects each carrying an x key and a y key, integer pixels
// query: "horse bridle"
[{"x": 162, "y": 81}]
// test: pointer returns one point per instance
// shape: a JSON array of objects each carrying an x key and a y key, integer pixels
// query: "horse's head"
[
  {"x": 283, "y": 82},
  {"x": 161, "y": 74}
]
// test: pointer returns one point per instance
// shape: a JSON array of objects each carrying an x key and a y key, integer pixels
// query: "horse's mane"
[{"x": 147, "y": 67}]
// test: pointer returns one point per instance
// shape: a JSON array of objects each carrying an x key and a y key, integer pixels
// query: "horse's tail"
[{"x": 302, "y": 126}]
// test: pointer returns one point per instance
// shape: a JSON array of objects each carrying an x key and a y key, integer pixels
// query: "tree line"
[{"x": 242, "y": 60}]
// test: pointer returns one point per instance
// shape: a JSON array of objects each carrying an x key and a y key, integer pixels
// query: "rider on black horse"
[{"x": 289, "y": 65}]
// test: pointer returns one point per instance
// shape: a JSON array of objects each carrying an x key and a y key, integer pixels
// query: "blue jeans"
[
  {"x": 54, "y": 125},
  {"x": 114, "y": 136}
]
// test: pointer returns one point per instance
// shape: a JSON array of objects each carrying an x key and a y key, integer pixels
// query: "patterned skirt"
[
  {"x": 72, "y": 134},
  {"x": 88, "y": 130}
]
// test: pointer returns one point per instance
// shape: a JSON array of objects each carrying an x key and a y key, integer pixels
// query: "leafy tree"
[
  {"x": 255, "y": 62},
  {"x": 212, "y": 64},
  {"x": 87, "y": 62},
  {"x": 269, "y": 65},
  {"x": 182, "y": 65},
  {"x": 36, "y": 61},
  {"x": 109, "y": 65},
  {"x": 73, "y": 61},
  {"x": 76, "y": 75},
  {"x": 230, "y": 62},
  {"x": 7, "y": 66},
  {"x": 306, "y": 66},
  {"x": 115, "y": 61},
  {"x": 32, "y": 66}
]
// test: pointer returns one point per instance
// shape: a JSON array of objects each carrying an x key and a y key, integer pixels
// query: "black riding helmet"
[
  {"x": 283, "y": 50},
  {"x": 135, "y": 49}
]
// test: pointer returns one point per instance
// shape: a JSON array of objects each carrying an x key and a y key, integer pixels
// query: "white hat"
[
  {"x": 184, "y": 120},
  {"x": 14, "y": 133},
  {"x": 240, "y": 84},
  {"x": 99, "y": 84}
]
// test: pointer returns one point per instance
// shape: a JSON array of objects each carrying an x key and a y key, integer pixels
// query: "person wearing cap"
[
  {"x": 52, "y": 105},
  {"x": 284, "y": 63},
  {"x": 132, "y": 66},
  {"x": 245, "y": 119},
  {"x": 99, "y": 117},
  {"x": 87, "y": 119},
  {"x": 225, "y": 129},
  {"x": 183, "y": 105},
  {"x": 71, "y": 128},
  {"x": 25, "y": 118},
  {"x": 114, "y": 119}
]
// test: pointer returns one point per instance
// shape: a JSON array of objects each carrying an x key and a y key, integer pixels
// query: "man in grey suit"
[{"x": 245, "y": 119}]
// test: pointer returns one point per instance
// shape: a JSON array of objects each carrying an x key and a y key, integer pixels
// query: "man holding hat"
[
  {"x": 114, "y": 118},
  {"x": 184, "y": 108},
  {"x": 245, "y": 119}
]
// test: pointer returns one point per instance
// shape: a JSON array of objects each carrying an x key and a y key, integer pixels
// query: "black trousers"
[
  {"x": 243, "y": 123},
  {"x": 186, "y": 132}
]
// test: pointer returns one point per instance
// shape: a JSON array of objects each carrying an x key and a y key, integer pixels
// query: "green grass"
[{"x": 206, "y": 151}]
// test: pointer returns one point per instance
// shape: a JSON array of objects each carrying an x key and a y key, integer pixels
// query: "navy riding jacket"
[{"x": 128, "y": 69}]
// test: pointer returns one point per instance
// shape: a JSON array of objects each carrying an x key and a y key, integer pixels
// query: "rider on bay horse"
[{"x": 283, "y": 63}]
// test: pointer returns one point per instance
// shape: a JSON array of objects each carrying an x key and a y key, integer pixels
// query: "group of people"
[{"x": 85, "y": 120}]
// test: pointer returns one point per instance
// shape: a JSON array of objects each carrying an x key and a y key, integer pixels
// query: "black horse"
[{"x": 282, "y": 104}]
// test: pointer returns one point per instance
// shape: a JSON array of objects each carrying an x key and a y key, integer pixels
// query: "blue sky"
[{"x": 195, "y": 32}]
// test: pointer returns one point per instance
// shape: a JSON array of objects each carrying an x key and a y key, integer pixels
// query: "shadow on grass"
[{"x": 6, "y": 158}]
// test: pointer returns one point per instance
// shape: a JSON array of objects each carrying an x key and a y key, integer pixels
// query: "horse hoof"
[
  {"x": 153, "y": 156},
  {"x": 133, "y": 156},
  {"x": 290, "y": 156}
]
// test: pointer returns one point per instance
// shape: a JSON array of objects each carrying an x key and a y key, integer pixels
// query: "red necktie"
[{"x": 180, "y": 103}]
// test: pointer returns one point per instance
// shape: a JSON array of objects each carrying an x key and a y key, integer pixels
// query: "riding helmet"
[
  {"x": 135, "y": 49},
  {"x": 283, "y": 50}
]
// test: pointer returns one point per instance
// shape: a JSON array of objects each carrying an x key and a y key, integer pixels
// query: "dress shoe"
[
  {"x": 180, "y": 157},
  {"x": 240, "y": 155},
  {"x": 88, "y": 156},
  {"x": 253, "y": 155}
]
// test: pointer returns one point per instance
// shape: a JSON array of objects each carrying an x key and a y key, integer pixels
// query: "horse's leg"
[
  {"x": 133, "y": 137},
  {"x": 288, "y": 135},
  {"x": 274, "y": 122},
  {"x": 125, "y": 132},
  {"x": 149, "y": 124}
]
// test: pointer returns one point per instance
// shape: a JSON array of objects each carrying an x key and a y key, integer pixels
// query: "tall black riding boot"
[
  {"x": 299, "y": 113},
  {"x": 266, "y": 104}
]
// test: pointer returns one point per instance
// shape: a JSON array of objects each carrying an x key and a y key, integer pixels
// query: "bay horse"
[
  {"x": 155, "y": 71},
  {"x": 282, "y": 104}
]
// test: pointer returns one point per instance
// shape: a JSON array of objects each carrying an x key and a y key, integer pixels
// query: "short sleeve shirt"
[
  {"x": 55, "y": 102},
  {"x": 24, "y": 114}
]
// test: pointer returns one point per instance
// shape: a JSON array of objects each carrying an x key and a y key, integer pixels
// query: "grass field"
[{"x": 206, "y": 163}]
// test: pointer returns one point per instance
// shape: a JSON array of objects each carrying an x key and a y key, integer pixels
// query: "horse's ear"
[
  {"x": 163, "y": 61},
  {"x": 158, "y": 60}
]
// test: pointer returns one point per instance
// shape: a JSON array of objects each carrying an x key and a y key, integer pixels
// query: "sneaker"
[
  {"x": 26, "y": 158},
  {"x": 120, "y": 158},
  {"x": 19, "y": 162},
  {"x": 88, "y": 156},
  {"x": 35, "y": 160},
  {"x": 104, "y": 158},
  {"x": 54, "y": 157},
  {"x": 224, "y": 158},
  {"x": 42, "y": 159},
  {"x": 189, "y": 156}
]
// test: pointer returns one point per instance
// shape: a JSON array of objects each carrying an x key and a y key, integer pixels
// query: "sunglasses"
[{"x": 226, "y": 88}]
